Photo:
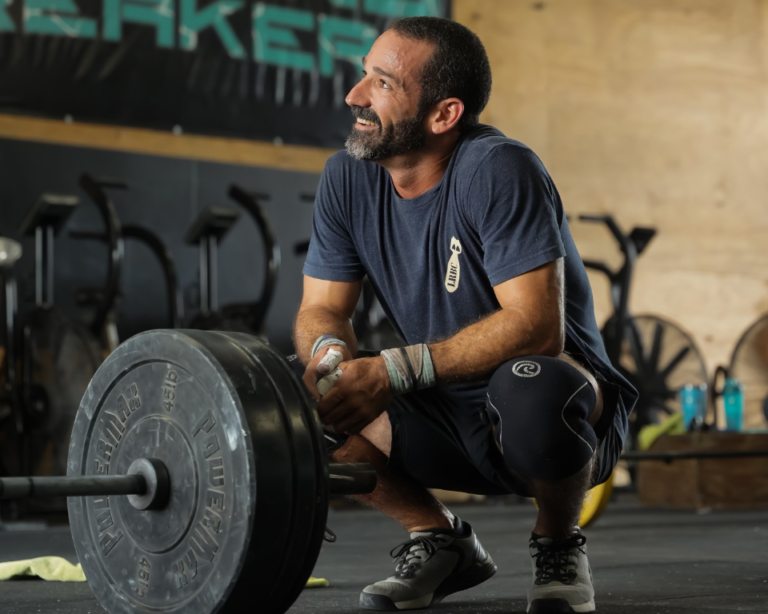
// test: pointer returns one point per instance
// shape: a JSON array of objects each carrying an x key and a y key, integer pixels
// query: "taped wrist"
[
  {"x": 409, "y": 368},
  {"x": 326, "y": 340}
]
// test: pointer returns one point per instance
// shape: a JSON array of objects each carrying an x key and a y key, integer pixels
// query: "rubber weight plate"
[
  {"x": 207, "y": 407},
  {"x": 310, "y": 481}
]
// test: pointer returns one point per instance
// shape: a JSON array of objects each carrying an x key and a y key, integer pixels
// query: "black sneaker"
[
  {"x": 562, "y": 576},
  {"x": 430, "y": 566}
]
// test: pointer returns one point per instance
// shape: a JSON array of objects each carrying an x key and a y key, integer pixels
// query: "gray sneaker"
[
  {"x": 430, "y": 566},
  {"x": 563, "y": 578}
]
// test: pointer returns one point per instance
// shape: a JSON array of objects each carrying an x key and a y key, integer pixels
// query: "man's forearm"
[
  {"x": 314, "y": 321},
  {"x": 477, "y": 350}
]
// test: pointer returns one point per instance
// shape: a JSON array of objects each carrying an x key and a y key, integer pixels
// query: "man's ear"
[{"x": 445, "y": 115}]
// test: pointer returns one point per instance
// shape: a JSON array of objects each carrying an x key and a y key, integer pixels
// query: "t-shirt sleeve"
[
  {"x": 513, "y": 204},
  {"x": 332, "y": 254}
]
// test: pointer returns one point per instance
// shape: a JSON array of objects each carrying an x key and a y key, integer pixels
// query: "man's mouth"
[{"x": 365, "y": 122}]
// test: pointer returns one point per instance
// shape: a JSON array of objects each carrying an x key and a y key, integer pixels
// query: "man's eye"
[{"x": 384, "y": 84}]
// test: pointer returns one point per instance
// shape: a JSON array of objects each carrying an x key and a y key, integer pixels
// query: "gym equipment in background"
[
  {"x": 168, "y": 266},
  {"x": 58, "y": 355},
  {"x": 207, "y": 232},
  {"x": 215, "y": 442},
  {"x": 373, "y": 329},
  {"x": 656, "y": 355},
  {"x": 102, "y": 299},
  {"x": 162, "y": 254},
  {"x": 749, "y": 365},
  {"x": 11, "y": 410}
]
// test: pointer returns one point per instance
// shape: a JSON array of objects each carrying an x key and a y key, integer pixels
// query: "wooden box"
[{"x": 717, "y": 483}]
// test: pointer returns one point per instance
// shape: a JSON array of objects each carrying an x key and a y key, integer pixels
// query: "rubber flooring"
[{"x": 644, "y": 562}]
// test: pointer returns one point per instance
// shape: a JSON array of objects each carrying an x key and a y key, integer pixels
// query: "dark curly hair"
[{"x": 457, "y": 68}]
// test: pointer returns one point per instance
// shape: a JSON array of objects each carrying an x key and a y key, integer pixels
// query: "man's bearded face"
[{"x": 378, "y": 143}]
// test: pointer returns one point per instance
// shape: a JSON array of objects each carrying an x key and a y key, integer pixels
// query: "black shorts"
[{"x": 444, "y": 444}]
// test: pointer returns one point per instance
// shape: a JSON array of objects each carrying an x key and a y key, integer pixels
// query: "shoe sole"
[
  {"x": 559, "y": 606},
  {"x": 452, "y": 584}
]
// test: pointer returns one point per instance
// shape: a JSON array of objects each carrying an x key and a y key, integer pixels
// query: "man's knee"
[{"x": 540, "y": 409}]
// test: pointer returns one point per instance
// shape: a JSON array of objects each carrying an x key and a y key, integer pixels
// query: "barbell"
[{"x": 197, "y": 477}]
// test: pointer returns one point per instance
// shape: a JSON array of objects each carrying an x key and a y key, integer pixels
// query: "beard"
[{"x": 396, "y": 139}]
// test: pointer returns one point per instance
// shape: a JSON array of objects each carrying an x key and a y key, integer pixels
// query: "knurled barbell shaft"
[
  {"x": 344, "y": 479},
  {"x": 27, "y": 487},
  {"x": 351, "y": 478}
]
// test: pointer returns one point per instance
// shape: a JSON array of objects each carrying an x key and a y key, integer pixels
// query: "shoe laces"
[
  {"x": 558, "y": 559},
  {"x": 412, "y": 554}
]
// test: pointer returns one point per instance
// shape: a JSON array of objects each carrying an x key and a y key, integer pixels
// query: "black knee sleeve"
[{"x": 539, "y": 408}]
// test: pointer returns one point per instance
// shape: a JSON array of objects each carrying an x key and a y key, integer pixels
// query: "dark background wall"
[{"x": 165, "y": 195}]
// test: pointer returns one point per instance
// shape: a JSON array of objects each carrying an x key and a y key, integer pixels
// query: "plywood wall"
[{"x": 655, "y": 111}]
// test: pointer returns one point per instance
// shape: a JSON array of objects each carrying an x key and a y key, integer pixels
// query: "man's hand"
[
  {"x": 360, "y": 395},
  {"x": 315, "y": 371}
]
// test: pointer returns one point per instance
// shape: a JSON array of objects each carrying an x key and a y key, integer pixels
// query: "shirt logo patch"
[{"x": 453, "y": 274}]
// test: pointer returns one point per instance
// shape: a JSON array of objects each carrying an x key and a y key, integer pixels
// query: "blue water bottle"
[
  {"x": 693, "y": 403},
  {"x": 733, "y": 403},
  {"x": 732, "y": 393}
]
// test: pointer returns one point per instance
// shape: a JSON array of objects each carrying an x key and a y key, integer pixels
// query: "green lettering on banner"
[
  {"x": 344, "y": 4},
  {"x": 159, "y": 14},
  {"x": 343, "y": 39},
  {"x": 212, "y": 16},
  {"x": 6, "y": 23},
  {"x": 273, "y": 40},
  {"x": 57, "y": 18},
  {"x": 403, "y": 8}
]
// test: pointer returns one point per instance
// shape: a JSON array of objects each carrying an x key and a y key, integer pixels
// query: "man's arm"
[
  {"x": 531, "y": 321},
  {"x": 326, "y": 308}
]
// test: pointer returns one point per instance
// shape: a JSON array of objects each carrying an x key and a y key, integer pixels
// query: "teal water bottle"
[
  {"x": 693, "y": 404},
  {"x": 732, "y": 394},
  {"x": 733, "y": 403}
]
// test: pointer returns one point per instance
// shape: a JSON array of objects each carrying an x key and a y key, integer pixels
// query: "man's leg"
[
  {"x": 443, "y": 555},
  {"x": 544, "y": 411},
  {"x": 560, "y": 501},
  {"x": 397, "y": 495}
]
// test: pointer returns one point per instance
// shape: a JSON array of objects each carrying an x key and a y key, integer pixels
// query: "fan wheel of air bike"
[
  {"x": 749, "y": 365},
  {"x": 658, "y": 358}
]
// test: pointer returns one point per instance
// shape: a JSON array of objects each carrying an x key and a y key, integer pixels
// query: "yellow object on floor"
[
  {"x": 673, "y": 425},
  {"x": 60, "y": 570},
  {"x": 45, "y": 567},
  {"x": 595, "y": 502}
]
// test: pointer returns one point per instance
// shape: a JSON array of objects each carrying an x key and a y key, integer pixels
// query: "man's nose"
[{"x": 357, "y": 96}]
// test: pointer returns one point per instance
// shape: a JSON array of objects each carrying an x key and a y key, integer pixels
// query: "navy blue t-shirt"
[{"x": 433, "y": 260}]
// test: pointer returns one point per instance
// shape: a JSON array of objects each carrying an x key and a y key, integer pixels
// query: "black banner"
[{"x": 275, "y": 71}]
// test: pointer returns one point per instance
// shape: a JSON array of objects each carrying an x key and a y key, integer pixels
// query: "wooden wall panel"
[
  {"x": 655, "y": 111},
  {"x": 159, "y": 143}
]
